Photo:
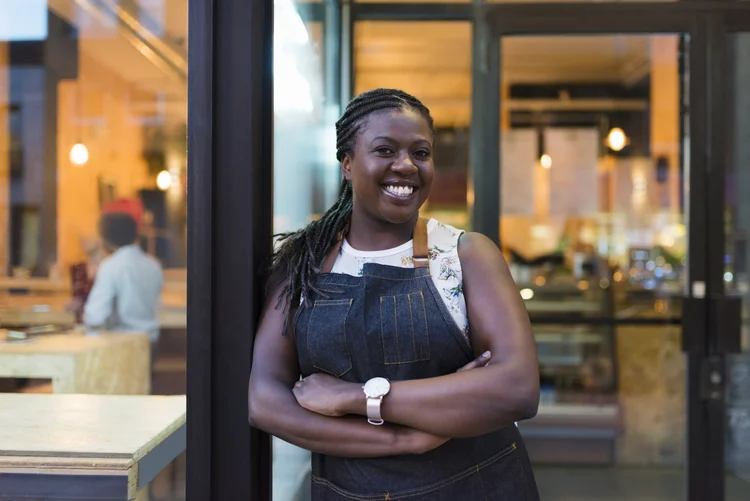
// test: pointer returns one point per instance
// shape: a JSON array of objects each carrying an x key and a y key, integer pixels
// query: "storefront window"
[{"x": 93, "y": 116}]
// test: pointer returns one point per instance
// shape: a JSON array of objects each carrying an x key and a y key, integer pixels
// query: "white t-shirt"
[
  {"x": 445, "y": 267},
  {"x": 126, "y": 293}
]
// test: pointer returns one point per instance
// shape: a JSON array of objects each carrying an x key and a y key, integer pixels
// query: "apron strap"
[
  {"x": 421, "y": 252},
  {"x": 421, "y": 257}
]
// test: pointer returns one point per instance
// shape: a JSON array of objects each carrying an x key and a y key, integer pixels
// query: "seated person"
[{"x": 128, "y": 283}]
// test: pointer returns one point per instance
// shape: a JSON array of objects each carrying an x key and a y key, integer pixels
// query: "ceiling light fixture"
[{"x": 616, "y": 139}]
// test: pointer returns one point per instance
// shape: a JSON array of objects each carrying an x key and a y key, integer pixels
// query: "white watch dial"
[{"x": 377, "y": 387}]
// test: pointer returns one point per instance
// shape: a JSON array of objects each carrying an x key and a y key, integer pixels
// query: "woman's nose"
[{"x": 404, "y": 165}]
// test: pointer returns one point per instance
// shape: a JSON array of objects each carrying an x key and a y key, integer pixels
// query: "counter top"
[{"x": 112, "y": 446}]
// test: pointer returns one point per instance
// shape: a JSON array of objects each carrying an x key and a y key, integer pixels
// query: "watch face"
[{"x": 377, "y": 387}]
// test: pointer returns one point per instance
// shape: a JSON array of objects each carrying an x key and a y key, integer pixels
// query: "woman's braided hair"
[{"x": 299, "y": 254}]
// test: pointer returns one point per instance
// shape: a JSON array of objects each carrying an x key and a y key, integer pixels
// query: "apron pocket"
[
  {"x": 403, "y": 329},
  {"x": 326, "y": 337}
]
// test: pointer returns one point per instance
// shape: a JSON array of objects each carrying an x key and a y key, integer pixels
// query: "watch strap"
[{"x": 373, "y": 411}]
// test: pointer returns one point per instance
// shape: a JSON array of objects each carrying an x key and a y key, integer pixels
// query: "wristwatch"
[{"x": 375, "y": 389}]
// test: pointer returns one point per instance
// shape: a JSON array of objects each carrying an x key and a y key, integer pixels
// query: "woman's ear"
[{"x": 346, "y": 168}]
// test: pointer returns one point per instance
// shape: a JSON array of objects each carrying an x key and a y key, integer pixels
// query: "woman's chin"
[{"x": 400, "y": 215}]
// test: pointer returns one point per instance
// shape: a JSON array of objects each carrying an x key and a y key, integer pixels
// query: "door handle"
[
  {"x": 694, "y": 315},
  {"x": 727, "y": 320}
]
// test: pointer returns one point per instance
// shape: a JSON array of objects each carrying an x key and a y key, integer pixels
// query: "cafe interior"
[{"x": 93, "y": 119}]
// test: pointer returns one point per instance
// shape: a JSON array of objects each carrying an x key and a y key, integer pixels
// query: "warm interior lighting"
[
  {"x": 527, "y": 294},
  {"x": 163, "y": 180},
  {"x": 616, "y": 139},
  {"x": 79, "y": 154},
  {"x": 546, "y": 161}
]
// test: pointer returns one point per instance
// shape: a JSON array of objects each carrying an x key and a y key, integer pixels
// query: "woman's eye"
[
  {"x": 422, "y": 154},
  {"x": 384, "y": 150}
]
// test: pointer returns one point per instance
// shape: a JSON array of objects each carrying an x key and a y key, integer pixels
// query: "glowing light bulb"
[
  {"x": 79, "y": 154},
  {"x": 546, "y": 161},
  {"x": 164, "y": 180},
  {"x": 616, "y": 139}
]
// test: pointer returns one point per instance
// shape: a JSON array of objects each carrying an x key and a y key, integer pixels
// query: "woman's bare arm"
[
  {"x": 475, "y": 402},
  {"x": 273, "y": 408}
]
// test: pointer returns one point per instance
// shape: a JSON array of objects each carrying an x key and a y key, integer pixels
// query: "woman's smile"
[{"x": 401, "y": 194}]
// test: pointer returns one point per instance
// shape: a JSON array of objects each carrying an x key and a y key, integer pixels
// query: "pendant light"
[{"x": 79, "y": 153}]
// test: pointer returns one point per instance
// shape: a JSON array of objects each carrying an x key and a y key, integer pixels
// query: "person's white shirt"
[{"x": 126, "y": 293}]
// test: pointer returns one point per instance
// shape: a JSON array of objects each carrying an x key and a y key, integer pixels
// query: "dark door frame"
[
  {"x": 230, "y": 214},
  {"x": 724, "y": 315}
]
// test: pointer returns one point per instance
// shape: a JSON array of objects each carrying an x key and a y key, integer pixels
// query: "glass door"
[
  {"x": 593, "y": 225},
  {"x": 615, "y": 202},
  {"x": 732, "y": 275}
]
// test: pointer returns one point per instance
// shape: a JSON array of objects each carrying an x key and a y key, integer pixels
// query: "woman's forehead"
[{"x": 395, "y": 121}]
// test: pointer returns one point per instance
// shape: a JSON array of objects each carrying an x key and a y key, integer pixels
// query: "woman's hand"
[
  {"x": 330, "y": 396},
  {"x": 481, "y": 361},
  {"x": 327, "y": 395}
]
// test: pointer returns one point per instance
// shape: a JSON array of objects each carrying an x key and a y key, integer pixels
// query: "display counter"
[{"x": 612, "y": 373}]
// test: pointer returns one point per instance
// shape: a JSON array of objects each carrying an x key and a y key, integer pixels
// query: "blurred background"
[{"x": 594, "y": 162}]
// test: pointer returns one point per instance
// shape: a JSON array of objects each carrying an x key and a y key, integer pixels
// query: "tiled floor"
[{"x": 622, "y": 484}]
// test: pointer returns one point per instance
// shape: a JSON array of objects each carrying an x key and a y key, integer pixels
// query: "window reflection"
[
  {"x": 93, "y": 118},
  {"x": 306, "y": 174}
]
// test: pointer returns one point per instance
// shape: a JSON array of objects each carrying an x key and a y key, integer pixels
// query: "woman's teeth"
[{"x": 401, "y": 191}]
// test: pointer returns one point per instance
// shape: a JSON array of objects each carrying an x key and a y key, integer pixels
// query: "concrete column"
[{"x": 665, "y": 115}]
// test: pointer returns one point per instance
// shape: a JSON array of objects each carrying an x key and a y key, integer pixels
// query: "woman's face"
[{"x": 392, "y": 168}]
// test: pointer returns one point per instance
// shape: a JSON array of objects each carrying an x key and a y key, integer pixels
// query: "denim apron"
[{"x": 391, "y": 322}]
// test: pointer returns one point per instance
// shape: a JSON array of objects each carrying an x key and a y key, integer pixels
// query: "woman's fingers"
[{"x": 480, "y": 361}]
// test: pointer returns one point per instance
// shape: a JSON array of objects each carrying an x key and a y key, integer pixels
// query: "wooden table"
[
  {"x": 35, "y": 284},
  {"x": 39, "y": 309},
  {"x": 105, "y": 363},
  {"x": 101, "y": 447}
]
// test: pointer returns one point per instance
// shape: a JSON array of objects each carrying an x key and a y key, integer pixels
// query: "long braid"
[{"x": 299, "y": 254}]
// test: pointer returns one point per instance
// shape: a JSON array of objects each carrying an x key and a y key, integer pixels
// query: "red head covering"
[{"x": 131, "y": 206}]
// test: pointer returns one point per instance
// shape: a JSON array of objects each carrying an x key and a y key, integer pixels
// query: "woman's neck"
[{"x": 368, "y": 234}]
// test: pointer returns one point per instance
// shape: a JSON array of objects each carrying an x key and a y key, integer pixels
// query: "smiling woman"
[{"x": 371, "y": 294}]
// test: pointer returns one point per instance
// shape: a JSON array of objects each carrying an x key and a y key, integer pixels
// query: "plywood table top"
[
  {"x": 64, "y": 344},
  {"x": 38, "y": 309},
  {"x": 102, "y": 443}
]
